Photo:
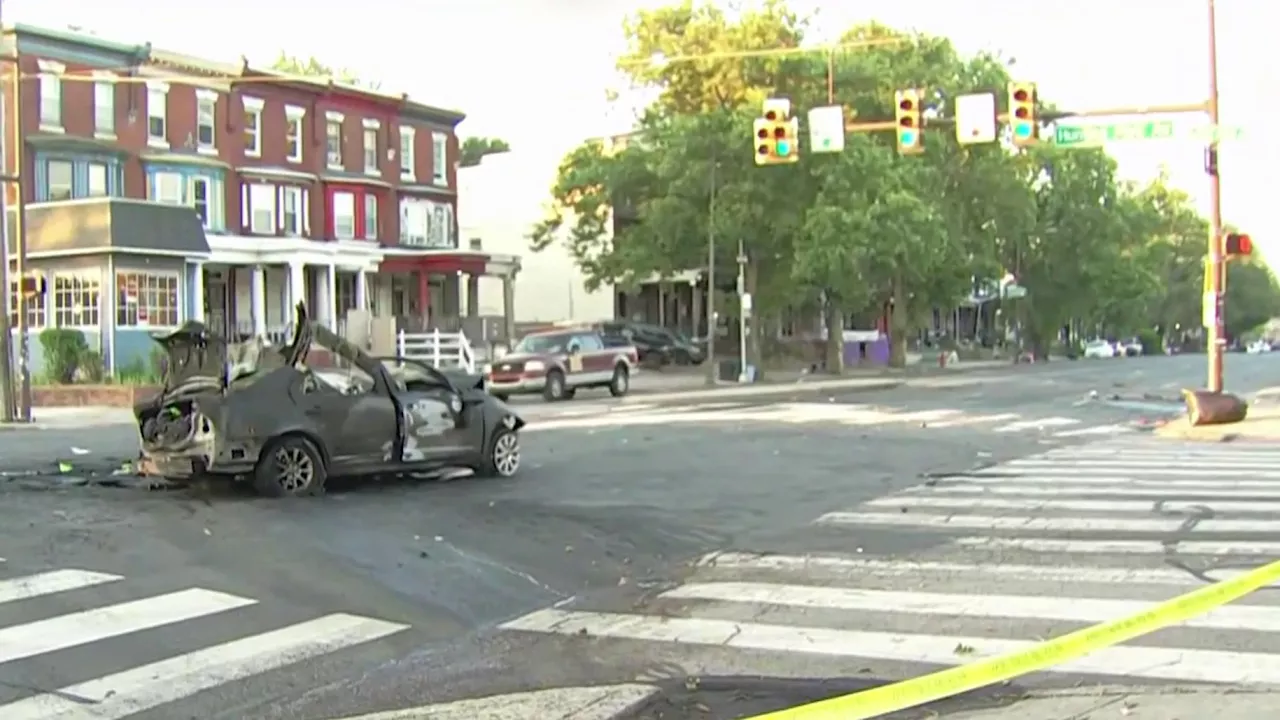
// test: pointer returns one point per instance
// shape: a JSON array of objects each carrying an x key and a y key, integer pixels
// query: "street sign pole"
[{"x": 1216, "y": 270}]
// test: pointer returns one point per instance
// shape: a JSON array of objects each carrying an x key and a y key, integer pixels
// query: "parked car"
[
  {"x": 558, "y": 363},
  {"x": 1258, "y": 346},
  {"x": 655, "y": 345},
  {"x": 248, "y": 411},
  {"x": 1099, "y": 349},
  {"x": 1131, "y": 348}
]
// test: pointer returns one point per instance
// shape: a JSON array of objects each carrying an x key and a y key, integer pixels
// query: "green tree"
[
  {"x": 1252, "y": 297},
  {"x": 312, "y": 67},
  {"x": 475, "y": 148}
]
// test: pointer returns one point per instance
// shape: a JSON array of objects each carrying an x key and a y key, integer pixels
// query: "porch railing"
[{"x": 443, "y": 350}]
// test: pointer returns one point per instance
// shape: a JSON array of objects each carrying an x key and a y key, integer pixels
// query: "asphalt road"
[{"x": 605, "y": 517}]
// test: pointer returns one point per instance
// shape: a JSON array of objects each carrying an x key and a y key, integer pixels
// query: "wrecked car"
[{"x": 254, "y": 412}]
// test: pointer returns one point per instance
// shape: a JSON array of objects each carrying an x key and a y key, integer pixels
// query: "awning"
[{"x": 111, "y": 225}]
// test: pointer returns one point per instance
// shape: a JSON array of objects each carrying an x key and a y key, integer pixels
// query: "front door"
[
  {"x": 433, "y": 424},
  {"x": 357, "y": 429},
  {"x": 595, "y": 363}
]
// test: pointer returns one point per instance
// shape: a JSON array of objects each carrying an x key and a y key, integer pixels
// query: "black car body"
[
  {"x": 655, "y": 345},
  {"x": 257, "y": 412}
]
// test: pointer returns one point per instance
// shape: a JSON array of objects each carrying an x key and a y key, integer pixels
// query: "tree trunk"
[
  {"x": 833, "y": 318},
  {"x": 898, "y": 326}
]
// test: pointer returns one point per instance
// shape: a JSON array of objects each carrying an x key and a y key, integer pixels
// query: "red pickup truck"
[{"x": 557, "y": 363}]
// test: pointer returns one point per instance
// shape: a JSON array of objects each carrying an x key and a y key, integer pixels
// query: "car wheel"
[
  {"x": 555, "y": 386},
  {"x": 621, "y": 381},
  {"x": 503, "y": 457},
  {"x": 290, "y": 466}
]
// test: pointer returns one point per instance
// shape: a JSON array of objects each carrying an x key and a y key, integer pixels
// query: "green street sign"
[{"x": 1095, "y": 134}]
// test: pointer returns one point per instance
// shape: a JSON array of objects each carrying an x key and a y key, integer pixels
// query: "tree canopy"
[
  {"x": 868, "y": 229},
  {"x": 475, "y": 148},
  {"x": 312, "y": 67}
]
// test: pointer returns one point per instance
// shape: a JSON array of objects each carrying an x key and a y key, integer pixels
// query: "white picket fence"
[{"x": 444, "y": 350}]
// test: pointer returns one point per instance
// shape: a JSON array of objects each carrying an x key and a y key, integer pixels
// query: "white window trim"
[
  {"x": 179, "y": 296},
  {"x": 103, "y": 77},
  {"x": 154, "y": 88},
  {"x": 376, "y": 170},
  {"x": 89, "y": 278},
  {"x": 407, "y": 132},
  {"x": 273, "y": 192},
  {"x": 106, "y": 179},
  {"x": 207, "y": 96},
  {"x": 352, "y": 196},
  {"x": 293, "y": 115},
  {"x": 300, "y": 207},
  {"x": 254, "y": 105},
  {"x": 332, "y": 118},
  {"x": 71, "y": 180},
  {"x": 153, "y": 188},
  {"x": 377, "y": 224},
  {"x": 372, "y": 124},
  {"x": 442, "y": 179},
  {"x": 50, "y": 71}
]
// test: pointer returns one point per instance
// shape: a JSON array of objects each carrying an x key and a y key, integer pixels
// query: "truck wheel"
[
  {"x": 290, "y": 466},
  {"x": 555, "y": 386},
  {"x": 621, "y": 381}
]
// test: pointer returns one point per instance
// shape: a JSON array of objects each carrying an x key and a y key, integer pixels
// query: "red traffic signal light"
[
  {"x": 770, "y": 115},
  {"x": 1238, "y": 244}
]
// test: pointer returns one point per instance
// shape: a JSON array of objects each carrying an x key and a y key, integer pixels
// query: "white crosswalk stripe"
[
  {"x": 127, "y": 692},
  {"x": 1005, "y": 557},
  {"x": 817, "y": 413}
]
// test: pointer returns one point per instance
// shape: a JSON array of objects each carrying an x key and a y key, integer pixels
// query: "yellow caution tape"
[{"x": 957, "y": 680}]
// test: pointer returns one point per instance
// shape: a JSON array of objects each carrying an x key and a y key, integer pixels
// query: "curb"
[{"x": 604, "y": 702}]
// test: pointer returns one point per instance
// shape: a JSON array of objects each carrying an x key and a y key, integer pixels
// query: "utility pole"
[
  {"x": 744, "y": 309},
  {"x": 1216, "y": 275},
  {"x": 712, "y": 374},
  {"x": 7, "y": 396}
]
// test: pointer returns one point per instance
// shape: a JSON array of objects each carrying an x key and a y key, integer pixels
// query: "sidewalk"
[
  {"x": 1161, "y": 703},
  {"x": 1262, "y": 423},
  {"x": 69, "y": 418}
]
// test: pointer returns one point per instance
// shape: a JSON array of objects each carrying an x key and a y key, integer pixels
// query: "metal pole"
[
  {"x": 1216, "y": 269},
  {"x": 20, "y": 235},
  {"x": 6, "y": 334},
  {"x": 743, "y": 308},
  {"x": 712, "y": 374}
]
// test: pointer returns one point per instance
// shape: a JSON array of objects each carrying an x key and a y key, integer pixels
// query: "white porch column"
[
  {"x": 362, "y": 290},
  {"x": 258, "y": 299},
  {"x": 327, "y": 296},
  {"x": 297, "y": 289},
  {"x": 197, "y": 292}
]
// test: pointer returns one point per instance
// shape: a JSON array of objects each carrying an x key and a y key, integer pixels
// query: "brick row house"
[{"x": 163, "y": 187}]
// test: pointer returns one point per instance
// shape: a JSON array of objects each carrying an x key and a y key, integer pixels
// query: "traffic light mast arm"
[{"x": 883, "y": 125}]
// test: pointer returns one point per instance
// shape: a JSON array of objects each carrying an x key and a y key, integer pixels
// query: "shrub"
[{"x": 63, "y": 352}]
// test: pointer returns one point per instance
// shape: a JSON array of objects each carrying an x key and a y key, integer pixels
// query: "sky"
[{"x": 535, "y": 72}]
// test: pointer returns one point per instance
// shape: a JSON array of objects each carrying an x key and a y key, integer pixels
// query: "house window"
[
  {"x": 252, "y": 127},
  {"x": 333, "y": 140},
  {"x": 75, "y": 301},
  {"x": 371, "y": 151},
  {"x": 166, "y": 187},
  {"x": 201, "y": 196},
  {"x": 262, "y": 203},
  {"x": 145, "y": 299},
  {"x": 413, "y": 222},
  {"x": 293, "y": 132},
  {"x": 406, "y": 152},
  {"x": 157, "y": 125},
  {"x": 51, "y": 95},
  {"x": 60, "y": 180},
  {"x": 344, "y": 215},
  {"x": 370, "y": 216},
  {"x": 104, "y": 108},
  {"x": 98, "y": 186},
  {"x": 439, "y": 158},
  {"x": 291, "y": 211},
  {"x": 206, "y": 112},
  {"x": 35, "y": 307},
  {"x": 440, "y": 231}
]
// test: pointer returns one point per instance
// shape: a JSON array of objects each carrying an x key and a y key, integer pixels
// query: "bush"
[
  {"x": 63, "y": 352},
  {"x": 1150, "y": 340}
]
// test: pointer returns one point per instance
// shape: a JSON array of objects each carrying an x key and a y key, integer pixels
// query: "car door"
[
  {"x": 358, "y": 426},
  {"x": 596, "y": 360},
  {"x": 433, "y": 426}
]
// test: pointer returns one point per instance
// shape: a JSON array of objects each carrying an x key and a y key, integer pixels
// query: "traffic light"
[
  {"x": 1022, "y": 113},
  {"x": 907, "y": 113},
  {"x": 1237, "y": 245},
  {"x": 777, "y": 135}
]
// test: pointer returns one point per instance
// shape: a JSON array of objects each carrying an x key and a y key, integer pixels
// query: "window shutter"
[
  {"x": 306, "y": 212},
  {"x": 244, "y": 206}
]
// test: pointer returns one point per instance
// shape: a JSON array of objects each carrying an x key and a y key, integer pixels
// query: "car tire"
[
  {"x": 621, "y": 382},
  {"x": 554, "y": 389},
  {"x": 290, "y": 466},
  {"x": 502, "y": 456}
]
